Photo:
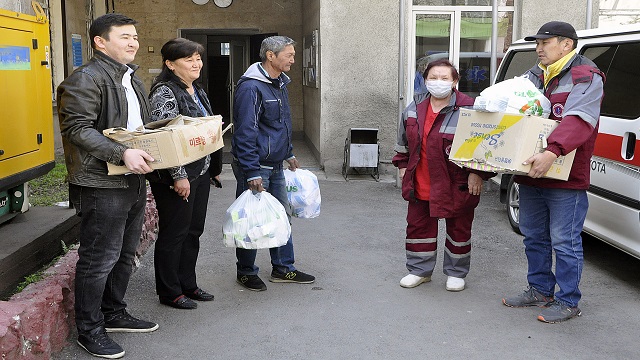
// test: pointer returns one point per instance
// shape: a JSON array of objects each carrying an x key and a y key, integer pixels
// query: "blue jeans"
[
  {"x": 109, "y": 236},
  {"x": 552, "y": 220},
  {"x": 282, "y": 258}
]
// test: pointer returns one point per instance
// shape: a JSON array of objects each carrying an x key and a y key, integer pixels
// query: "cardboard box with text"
[
  {"x": 173, "y": 142},
  {"x": 500, "y": 142}
]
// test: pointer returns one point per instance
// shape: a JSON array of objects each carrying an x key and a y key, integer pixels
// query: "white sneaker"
[
  {"x": 455, "y": 284},
  {"x": 411, "y": 281}
]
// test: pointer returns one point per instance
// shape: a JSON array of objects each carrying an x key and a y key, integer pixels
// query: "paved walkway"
[{"x": 357, "y": 310}]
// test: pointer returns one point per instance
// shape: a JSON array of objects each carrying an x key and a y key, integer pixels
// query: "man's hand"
[
  {"x": 136, "y": 161},
  {"x": 540, "y": 163},
  {"x": 182, "y": 187},
  {"x": 293, "y": 164},
  {"x": 401, "y": 172},
  {"x": 256, "y": 185}
]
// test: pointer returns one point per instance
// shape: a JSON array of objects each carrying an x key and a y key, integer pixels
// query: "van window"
[
  {"x": 622, "y": 86},
  {"x": 518, "y": 63}
]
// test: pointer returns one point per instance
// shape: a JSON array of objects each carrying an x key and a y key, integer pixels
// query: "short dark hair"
[
  {"x": 442, "y": 62},
  {"x": 575, "y": 41},
  {"x": 173, "y": 50},
  {"x": 101, "y": 26}
]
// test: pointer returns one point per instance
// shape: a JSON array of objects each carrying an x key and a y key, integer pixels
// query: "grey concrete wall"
[
  {"x": 532, "y": 14},
  {"x": 359, "y": 47},
  {"x": 159, "y": 21},
  {"x": 76, "y": 18},
  {"x": 312, "y": 96}
]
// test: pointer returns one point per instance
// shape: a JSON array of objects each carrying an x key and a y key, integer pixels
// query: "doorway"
[
  {"x": 228, "y": 54},
  {"x": 461, "y": 34}
]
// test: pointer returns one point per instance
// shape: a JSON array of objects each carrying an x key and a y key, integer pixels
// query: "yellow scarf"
[{"x": 553, "y": 70}]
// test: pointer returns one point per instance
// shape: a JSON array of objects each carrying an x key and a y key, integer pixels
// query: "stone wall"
[{"x": 37, "y": 322}]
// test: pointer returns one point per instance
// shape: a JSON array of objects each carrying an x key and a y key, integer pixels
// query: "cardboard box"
[
  {"x": 500, "y": 142},
  {"x": 173, "y": 142}
]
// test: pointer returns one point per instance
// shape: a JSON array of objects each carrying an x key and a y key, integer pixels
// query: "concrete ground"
[{"x": 356, "y": 308}]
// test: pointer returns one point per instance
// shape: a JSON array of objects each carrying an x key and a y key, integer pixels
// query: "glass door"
[
  {"x": 461, "y": 34},
  {"x": 474, "y": 58},
  {"x": 433, "y": 40}
]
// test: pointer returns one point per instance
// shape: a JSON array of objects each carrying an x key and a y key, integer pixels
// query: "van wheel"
[{"x": 513, "y": 205}]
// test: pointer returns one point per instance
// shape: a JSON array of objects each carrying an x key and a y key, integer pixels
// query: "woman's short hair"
[
  {"x": 442, "y": 62},
  {"x": 179, "y": 48},
  {"x": 173, "y": 50}
]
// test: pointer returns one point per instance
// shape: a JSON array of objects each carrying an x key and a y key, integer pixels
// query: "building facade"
[{"x": 356, "y": 60}]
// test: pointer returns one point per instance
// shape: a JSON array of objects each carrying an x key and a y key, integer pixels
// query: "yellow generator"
[{"x": 26, "y": 114}]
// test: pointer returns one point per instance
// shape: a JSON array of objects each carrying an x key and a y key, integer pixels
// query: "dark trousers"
[
  {"x": 180, "y": 225},
  {"x": 109, "y": 236}
]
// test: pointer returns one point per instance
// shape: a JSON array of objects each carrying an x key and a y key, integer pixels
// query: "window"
[
  {"x": 517, "y": 64},
  {"x": 622, "y": 86},
  {"x": 461, "y": 2},
  {"x": 224, "y": 49}
]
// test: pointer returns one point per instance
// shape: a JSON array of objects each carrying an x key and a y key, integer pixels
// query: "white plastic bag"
[
  {"x": 515, "y": 96},
  {"x": 303, "y": 192},
  {"x": 256, "y": 221}
]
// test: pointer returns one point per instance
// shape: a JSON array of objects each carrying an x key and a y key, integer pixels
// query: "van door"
[
  {"x": 614, "y": 193},
  {"x": 615, "y": 165}
]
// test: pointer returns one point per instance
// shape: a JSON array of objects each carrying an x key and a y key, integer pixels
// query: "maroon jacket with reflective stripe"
[
  {"x": 576, "y": 95},
  {"x": 449, "y": 195}
]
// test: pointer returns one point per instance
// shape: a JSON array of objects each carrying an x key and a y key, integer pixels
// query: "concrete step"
[{"x": 31, "y": 240}]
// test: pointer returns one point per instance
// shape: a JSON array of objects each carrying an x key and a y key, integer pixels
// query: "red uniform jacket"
[{"x": 449, "y": 195}]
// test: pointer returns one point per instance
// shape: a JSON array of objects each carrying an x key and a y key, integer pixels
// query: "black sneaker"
[
  {"x": 252, "y": 282},
  {"x": 294, "y": 276},
  {"x": 98, "y": 343},
  {"x": 123, "y": 322}
]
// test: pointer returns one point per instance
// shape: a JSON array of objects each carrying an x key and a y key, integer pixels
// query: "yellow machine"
[{"x": 26, "y": 116}]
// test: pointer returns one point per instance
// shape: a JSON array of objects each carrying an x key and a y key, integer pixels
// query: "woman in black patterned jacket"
[{"x": 181, "y": 193}]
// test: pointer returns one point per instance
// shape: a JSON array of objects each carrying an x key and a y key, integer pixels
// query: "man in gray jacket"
[{"x": 101, "y": 94}]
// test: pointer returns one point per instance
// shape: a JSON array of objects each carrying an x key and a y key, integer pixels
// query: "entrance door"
[
  {"x": 463, "y": 35},
  {"x": 433, "y": 41}
]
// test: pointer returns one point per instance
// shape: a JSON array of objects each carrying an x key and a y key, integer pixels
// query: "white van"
[{"x": 614, "y": 193}]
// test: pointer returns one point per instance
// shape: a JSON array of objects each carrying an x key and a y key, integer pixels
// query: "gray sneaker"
[
  {"x": 558, "y": 312},
  {"x": 530, "y": 297}
]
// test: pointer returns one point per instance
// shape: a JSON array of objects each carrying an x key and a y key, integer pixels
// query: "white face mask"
[{"x": 439, "y": 89}]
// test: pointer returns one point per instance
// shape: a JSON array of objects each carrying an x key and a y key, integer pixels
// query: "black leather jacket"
[{"x": 90, "y": 100}]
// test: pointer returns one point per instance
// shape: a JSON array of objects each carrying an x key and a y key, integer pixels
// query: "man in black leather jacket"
[{"x": 101, "y": 94}]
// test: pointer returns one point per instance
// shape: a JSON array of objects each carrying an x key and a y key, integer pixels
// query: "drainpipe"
[
  {"x": 589, "y": 13},
  {"x": 493, "y": 65},
  {"x": 401, "y": 65},
  {"x": 401, "y": 61}
]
